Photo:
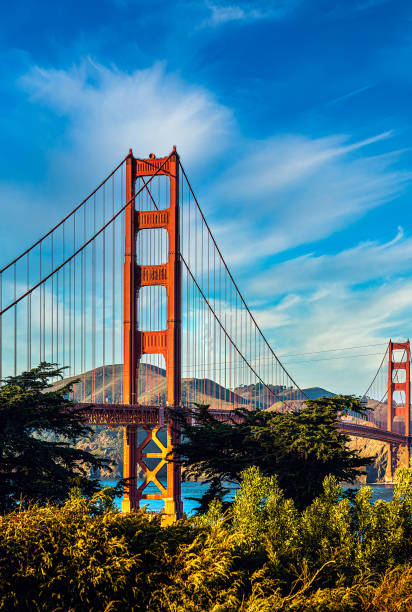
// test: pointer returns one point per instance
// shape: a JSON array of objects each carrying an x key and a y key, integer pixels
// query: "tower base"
[{"x": 141, "y": 455}]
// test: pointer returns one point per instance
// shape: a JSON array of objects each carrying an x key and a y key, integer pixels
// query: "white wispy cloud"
[
  {"x": 103, "y": 112},
  {"x": 359, "y": 296},
  {"x": 348, "y": 95},
  {"x": 296, "y": 190},
  {"x": 364, "y": 263},
  {"x": 300, "y": 189},
  {"x": 327, "y": 320},
  {"x": 223, "y": 12},
  {"x": 109, "y": 110}
]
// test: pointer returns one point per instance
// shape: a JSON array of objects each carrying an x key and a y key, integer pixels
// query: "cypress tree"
[{"x": 38, "y": 428}]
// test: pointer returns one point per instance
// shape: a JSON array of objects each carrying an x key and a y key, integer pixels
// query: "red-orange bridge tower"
[
  {"x": 166, "y": 342},
  {"x": 398, "y": 414}
]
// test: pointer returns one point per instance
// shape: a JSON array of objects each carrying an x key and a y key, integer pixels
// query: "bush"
[
  {"x": 83, "y": 556},
  {"x": 260, "y": 555}
]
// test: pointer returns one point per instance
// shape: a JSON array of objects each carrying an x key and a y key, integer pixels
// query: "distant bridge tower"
[
  {"x": 397, "y": 381},
  {"x": 166, "y": 342}
]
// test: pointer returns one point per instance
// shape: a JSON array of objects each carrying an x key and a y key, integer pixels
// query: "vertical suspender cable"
[
  {"x": 122, "y": 227},
  {"x": 83, "y": 261},
  {"x": 57, "y": 319},
  {"x": 44, "y": 321},
  {"x": 1, "y": 329},
  {"x": 64, "y": 304},
  {"x": 113, "y": 293},
  {"x": 104, "y": 298},
  {"x": 74, "y": 297},
  {"x": 94, "y": 304},
  {"x": 52, "y": 299},
  {"x": 15, "y": 323},
  {"x": 188, "y": 361},
  {"x": 225, "y": 310},
  {"x": 28, "y": 312},
  {"x": 204, "y": 336},
  {"x": 190, "y": 329},
  {"x": 40, "y": 300},
  {"x": 70, "y": 319}
]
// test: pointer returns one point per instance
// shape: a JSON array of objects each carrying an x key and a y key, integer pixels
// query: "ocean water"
[{"x": 196, "y": 489}]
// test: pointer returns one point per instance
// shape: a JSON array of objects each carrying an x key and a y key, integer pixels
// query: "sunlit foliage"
[{"x": 262, "y": 554}]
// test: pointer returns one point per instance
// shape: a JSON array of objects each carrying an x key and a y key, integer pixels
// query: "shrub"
[{"x": 260, "y": 555}]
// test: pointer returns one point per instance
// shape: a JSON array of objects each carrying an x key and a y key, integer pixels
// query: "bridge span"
[
  {"x": 116, "y": 415},
  {"x": 133, "y": 276}
]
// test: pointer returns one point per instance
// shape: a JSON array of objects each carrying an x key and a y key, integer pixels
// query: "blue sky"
[{"x": 293, "y": 119}]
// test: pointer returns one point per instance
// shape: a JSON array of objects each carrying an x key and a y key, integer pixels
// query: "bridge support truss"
[
  {"x": 150, "y": 447},
  {"x": 399, "y": 454}
]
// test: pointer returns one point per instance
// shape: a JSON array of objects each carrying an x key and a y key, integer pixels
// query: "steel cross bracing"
[{"x": 131, "y": 292}]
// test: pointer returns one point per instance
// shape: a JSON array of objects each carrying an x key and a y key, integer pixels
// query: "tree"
[
  {"x": 38, "y": 427},
  {"x": 300, "y": 448}
]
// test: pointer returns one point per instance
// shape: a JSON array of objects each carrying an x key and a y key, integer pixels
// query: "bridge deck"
[{"x": 154, "y": 416}]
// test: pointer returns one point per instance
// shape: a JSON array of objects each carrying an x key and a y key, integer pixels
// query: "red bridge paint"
[{"x": 138, "y": 343}]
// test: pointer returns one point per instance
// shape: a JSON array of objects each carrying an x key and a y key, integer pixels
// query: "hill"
[{"x": 104, "y": 385}]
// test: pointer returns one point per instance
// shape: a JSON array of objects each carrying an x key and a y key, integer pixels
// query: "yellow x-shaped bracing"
[{"x": 151, "y": 475}]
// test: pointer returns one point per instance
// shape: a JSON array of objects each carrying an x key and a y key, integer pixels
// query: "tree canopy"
[
  {"x": 300, "y": 448},
  {"x": 38, "y": 427}
]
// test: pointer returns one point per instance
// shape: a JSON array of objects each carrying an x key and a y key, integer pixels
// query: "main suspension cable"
[
  {"x": 79, "y": 250},
  {"x": 64, "y": 219}
]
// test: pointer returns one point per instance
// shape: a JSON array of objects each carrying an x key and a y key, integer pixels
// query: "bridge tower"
[
  {"x": 166, "y": 342},
  {"x": 394, "y": 410}
]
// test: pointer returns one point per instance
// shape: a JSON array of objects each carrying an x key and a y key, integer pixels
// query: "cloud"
[
  {"x": 359, "y": 296},
  {"x": 246, "y": 12},
  {"x": 349, "y": 94},
  {"x": 109, "y": 110},
  {"x": 369, "y": 4},
  {"x": 100, "y": 113},
  {"x": 294, "y": 190},
  {"x": 364, "y": 263},
  {"x": 300, "y": 189},
  {"x": 340, "y": 318}
]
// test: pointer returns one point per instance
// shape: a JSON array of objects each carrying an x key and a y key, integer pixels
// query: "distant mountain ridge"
[
  {"x": 104, "y": 384},
  {"x": 313, "y": 393}
]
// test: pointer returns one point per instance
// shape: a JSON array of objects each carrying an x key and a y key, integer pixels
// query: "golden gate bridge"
[{"x": 131, "y": 292}]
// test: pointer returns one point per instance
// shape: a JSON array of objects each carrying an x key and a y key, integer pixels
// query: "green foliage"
[
  {"x": 38, "y": 427},
  {"x": 261, "y": 555},
  {"x": 83, "y": 555},
  {"x": 300, "y": 448}
]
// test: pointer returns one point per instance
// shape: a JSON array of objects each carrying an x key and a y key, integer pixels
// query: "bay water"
[{"x": 196, "y": 489}]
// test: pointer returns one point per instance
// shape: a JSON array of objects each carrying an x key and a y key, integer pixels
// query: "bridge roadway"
[{"x": 154, "y": 416}]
